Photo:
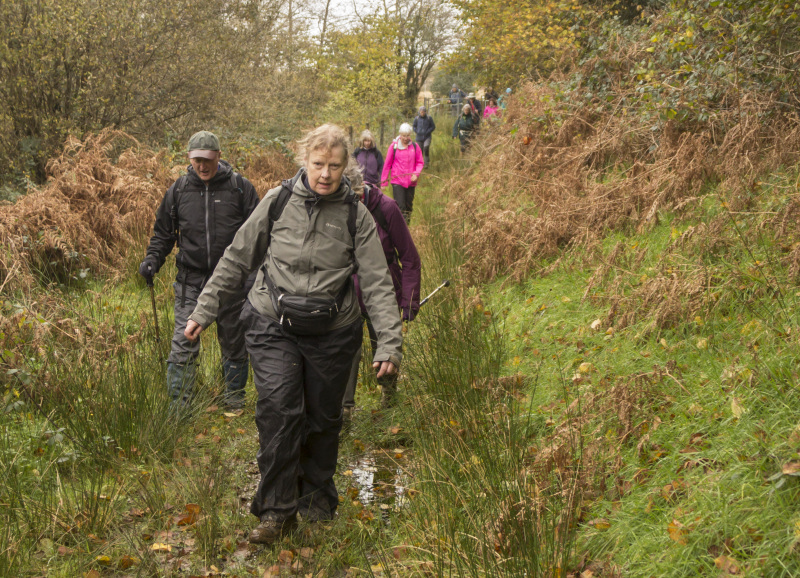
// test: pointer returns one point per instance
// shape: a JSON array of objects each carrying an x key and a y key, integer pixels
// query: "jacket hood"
[{"x": 223, "y": 174}]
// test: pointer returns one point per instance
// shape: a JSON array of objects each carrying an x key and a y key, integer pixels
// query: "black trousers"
[
  {"x": 300, "y": 381},
  {"x": 404, "y": 197}
]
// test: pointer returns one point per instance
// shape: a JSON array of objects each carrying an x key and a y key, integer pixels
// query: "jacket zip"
[{"x": 208, "y": 235}]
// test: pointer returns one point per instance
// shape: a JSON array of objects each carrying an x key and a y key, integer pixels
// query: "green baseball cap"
[{"x": 203, "y": 144}]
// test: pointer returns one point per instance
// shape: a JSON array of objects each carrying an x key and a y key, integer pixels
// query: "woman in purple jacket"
[
  {"x": 404, "y": 163},
  {"x": 404, "y": 266},
  {"x": 369, "y": 158}
]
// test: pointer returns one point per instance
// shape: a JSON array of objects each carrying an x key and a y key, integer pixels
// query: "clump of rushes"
[{"x": 477, "y": 503}]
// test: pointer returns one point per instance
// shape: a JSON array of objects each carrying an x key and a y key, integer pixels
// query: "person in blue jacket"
[{"x": 423, "y": 127}]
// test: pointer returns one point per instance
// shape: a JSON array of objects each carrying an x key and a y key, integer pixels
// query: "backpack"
[
  {"x": 380, "y": 219},
  {"x": 237, "y": 184}
]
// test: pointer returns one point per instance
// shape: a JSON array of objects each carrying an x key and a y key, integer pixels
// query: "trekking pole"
[
  {"x": 153, "y": 302},
  {"x": 446, "y": 283}
]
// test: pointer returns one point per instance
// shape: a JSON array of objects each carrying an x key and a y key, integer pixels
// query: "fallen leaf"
[
  {"x": 186, "y": 520},
  {"x": 230, "y": 414},
  {"x": 702, "y": 343},
  {"x": 285, "y": 557},
  {"x": 272, "y": 572},
  {"x": 64, "y": 551},
  {"x": 585, "y": 367},
  {"x": 241, "y": 431},
  {"x": 678, "y": 532},
  {"x": 726, "y": 564},
  {"x": 394, "y": 430},
  {"x": 791, "y": 468},
  {"x": 103, "y": 560},
  {"x": 158, "y": 547},
  {"x": 600, "y": 523},
  {"x": 306, "y": 553},
  {"x": 127, "y": 562},
  {"x": 736, "y": 408},
  {"x": 192, "y": 508},
  {"x": 365, "y": 516},
  {"x": 211, "y": 408},
  {"x": 92, "y": 574}
]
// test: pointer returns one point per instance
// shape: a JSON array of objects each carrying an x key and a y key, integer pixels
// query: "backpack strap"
[
  {"x": 276, "y": 209},
  {"x": 237, "y": 184}
]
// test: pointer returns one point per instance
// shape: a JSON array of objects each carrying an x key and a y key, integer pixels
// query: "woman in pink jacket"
[{"x": 403, "y": 165}]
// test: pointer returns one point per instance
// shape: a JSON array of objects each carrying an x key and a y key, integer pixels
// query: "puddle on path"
[{"x": 379, "y": 480}]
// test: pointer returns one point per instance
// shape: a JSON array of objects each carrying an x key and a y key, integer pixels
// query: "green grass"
[{"x": 561, "y": 424}]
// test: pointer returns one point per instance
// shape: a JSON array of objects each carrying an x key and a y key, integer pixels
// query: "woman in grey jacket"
[{"x": 303, "y": 325}]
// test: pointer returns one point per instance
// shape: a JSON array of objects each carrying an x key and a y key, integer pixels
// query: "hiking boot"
[
  {"x": 270, "y": 531},
  {"x": 314, "y": 514}
]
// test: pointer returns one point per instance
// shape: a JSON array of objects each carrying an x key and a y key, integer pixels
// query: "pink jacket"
[{"x": 402, "y": 164}]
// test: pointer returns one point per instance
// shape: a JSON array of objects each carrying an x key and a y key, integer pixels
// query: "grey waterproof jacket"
[{"x": 310, "y": 253}]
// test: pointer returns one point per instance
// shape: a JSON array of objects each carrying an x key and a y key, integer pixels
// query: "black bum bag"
[
  {"x": 300, "y": 315},
  {"x": 306, "y": 315}
]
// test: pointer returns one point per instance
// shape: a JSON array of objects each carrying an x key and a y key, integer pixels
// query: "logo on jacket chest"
[{"x": 332, "y": 226}]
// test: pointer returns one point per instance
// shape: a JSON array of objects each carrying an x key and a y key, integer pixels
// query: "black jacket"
[
  {"x": 424, "y": 127},
  {"x": 208, "y": 216}
]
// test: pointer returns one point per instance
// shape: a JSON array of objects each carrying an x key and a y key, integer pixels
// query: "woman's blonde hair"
[
  {"x": 366, "y": 134},
  {"x": 326, "y": 137}
]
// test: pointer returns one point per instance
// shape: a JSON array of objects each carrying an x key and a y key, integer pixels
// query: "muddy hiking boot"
[{"x": 270, "y": 531}]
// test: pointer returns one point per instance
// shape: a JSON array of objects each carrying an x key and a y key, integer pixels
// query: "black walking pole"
[
  {"x": 445, "y": 284},
  {"x": 153, "y": 302}
]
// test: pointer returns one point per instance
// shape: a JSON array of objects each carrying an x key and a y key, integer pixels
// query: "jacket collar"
[{"x": 223, "y": 174}]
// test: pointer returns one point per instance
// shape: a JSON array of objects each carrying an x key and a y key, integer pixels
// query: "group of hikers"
[
  {"x": 290, "y": 281},
  {"x": 469, "y": 112}
]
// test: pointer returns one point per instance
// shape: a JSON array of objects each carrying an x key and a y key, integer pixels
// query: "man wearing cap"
[
  {"x": 201, "y": 213},
  {"x": 423, "y": 127}
]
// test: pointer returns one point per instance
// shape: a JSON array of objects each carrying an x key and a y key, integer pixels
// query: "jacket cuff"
[{"x": 201, "y": 320}]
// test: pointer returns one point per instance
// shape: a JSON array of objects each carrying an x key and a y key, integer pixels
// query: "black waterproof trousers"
[
  {"x": 300, "y": 382},
  {"x": 404, "y": 197}
]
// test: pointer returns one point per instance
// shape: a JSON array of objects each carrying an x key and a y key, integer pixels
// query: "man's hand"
[
  {"x": 384, "y": 368},
  {"x": 147, "y": 270},
  {"x": 192, "y": 331}
]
